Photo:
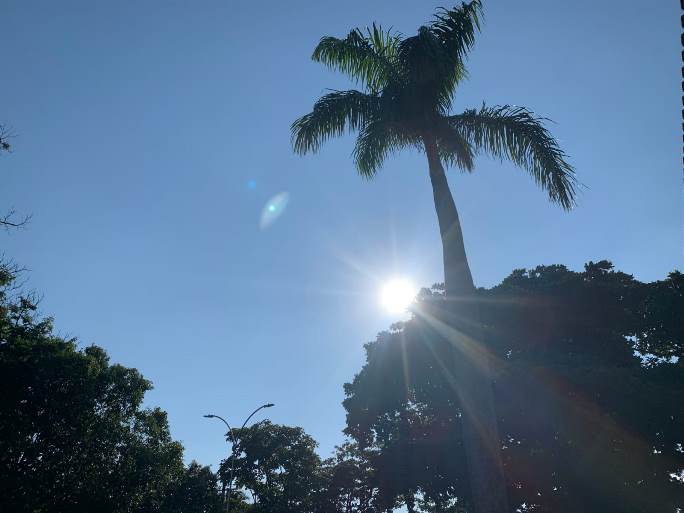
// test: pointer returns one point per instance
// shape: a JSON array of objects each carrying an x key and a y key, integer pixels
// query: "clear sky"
[{"x": 150, "y": 135}]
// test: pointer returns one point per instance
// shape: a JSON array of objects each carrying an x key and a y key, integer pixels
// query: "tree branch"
[{"x": 7, "y": 221}]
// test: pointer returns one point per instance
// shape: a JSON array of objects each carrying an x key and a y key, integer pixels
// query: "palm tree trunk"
[
  {"x": 471, "y": 366},
  {"x": 458, "y": 279}
]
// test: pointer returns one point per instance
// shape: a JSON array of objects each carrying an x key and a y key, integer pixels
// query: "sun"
[{"x": 397, "y": 295}]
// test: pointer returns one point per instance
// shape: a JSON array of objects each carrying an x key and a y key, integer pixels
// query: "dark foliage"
[
  {"x": 196, "y": 491},
  {"x": 279, "y": 468},
  {"x": 73, "y": 434},
  {"x": 589, "y": 391}
]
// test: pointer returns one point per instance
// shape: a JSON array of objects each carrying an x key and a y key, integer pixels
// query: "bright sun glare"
[{"x": 397, "y": 295}]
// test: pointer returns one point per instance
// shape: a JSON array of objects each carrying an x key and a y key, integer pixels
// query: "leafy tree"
[
  {"x": 408, "y": 87},
  {"x": 279, "y": 467},
  {"x": 403, "y": 405},
  {"x": 589, "y": 388},
  {"x": 581, "y": 396},
  {"x": 660, "y": 334},
  {"x": 195, "y": 492},
  {"x": 352, "y": 482},
  {"x": 73, "y": 433},
  {"x": 279, "y": 470}
]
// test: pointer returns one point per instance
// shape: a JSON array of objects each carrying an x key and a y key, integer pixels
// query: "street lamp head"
[
  {"x": 268, "y": 405},
  {"x": 209, "y": 416}
]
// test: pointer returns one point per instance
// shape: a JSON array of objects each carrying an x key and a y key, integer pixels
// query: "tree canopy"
[
  {"x": 73, "y": 433},
  {"x": 279, "y": 467},
  {"x": 589, "y": 383},
  {"x": 589, "y": 388}
]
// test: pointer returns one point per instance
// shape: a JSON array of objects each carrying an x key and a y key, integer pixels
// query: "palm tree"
[{"x": 408, "y": 93}]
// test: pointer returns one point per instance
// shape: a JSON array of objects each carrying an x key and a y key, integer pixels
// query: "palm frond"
[
  {"x": 420, "y": 56},
  {"x": 456, "y": 28},
  {"x": 333, "y": 114},
  {"x": 454, "y": 149},
  {"x": 367, "y": 58},
  {"x": 514, "y": 133},
  {"x": 433, "y": 60},
  {"x": 374, "y": 143},
  {"x": 423, "y": 71},
  {"x": 455, "y": 31}
]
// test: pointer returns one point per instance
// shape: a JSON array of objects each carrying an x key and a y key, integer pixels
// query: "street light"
[{"x": 232, "y": 437}]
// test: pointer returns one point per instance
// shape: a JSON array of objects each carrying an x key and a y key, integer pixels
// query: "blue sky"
[{"x": 150, "y": 135}]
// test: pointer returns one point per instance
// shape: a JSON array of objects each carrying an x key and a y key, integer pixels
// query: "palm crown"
[{"x": 408, "y": 91}]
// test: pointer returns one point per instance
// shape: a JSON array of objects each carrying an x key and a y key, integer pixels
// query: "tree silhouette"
[
  {"x": 590, "y": 417},
  {"x": 195, "y": 492},
  {"x": 408, "y": 94},
  {"x": 589, "y": 370},
  {"x": 73, "y": 434},
  {"x": 279, "y": 467},
  {"x": 352, "y": 482}
]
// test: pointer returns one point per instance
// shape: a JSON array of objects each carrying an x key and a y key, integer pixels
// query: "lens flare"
[{"x": 274, "y": 208}]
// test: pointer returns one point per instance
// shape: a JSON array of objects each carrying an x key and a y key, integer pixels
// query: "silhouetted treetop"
[
  {"x": 589, "y": 387},
  {"x": 74, "y": 435}
]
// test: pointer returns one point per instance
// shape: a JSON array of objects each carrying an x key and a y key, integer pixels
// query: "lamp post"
[{"x": 234, "y": 441}]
